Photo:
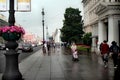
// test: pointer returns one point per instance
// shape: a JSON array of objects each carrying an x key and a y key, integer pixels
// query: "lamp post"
[
  {"x": 43, "y": 13},
  {"x": 12, "y": 69},
  {"x": 11, "y": 19}
]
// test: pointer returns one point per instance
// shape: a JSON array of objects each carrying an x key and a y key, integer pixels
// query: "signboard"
[
  {"x": 3, "y": 5},
  {"x": 24, "y": 5}
]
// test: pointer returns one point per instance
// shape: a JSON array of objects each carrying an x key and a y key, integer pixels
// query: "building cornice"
[
  {"x": 103, "y": 8},
  {"x": 114, "y": 7},
  {"x": 85, "y": 2},
  {"x": 100, "y": 8}
]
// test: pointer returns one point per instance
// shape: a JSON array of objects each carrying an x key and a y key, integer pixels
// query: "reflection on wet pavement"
[{"x": 89, "y": 67}]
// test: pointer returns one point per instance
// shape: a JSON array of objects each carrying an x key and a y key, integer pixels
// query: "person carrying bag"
[
  {"x": 104, "y": 49},
  {"x": 74, "y": 52},
  {"x": 115, "y": 49}
]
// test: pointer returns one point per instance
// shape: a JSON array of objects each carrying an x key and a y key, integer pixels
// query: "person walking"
[
  {"x": 44, "y": 48},
  {"x": 48, "y": 48},
  {"x": 74, "y": 52},
  {"x": 115, "y": 49},
  {"x": 104, "y": 49}
]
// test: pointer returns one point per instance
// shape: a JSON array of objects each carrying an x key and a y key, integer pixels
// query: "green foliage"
[
  {"x": 83, "y": 48},
  {"x": 72, "y": 26},
  {"x": 87, "y": 40}
]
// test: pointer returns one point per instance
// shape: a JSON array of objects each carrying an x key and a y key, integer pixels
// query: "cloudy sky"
[{"x": 54, "y": 11}]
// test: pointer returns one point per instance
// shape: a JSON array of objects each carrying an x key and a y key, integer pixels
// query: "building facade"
[
  {"x": 3, "y": 20},
  {"x": 102, "y": 18},
  {"x": 56, "y": 36}
]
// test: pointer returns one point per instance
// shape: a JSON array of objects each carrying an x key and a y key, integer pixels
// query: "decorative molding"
[
  {"x": 114, "y": 7},
  {"x": 100, "y": 8}
]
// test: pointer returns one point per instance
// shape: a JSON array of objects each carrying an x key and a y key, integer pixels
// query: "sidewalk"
[
  {"x": 40, "y": 67},
  {"x": 27, "y": 63},
  {"x": 60, "y": 67}
]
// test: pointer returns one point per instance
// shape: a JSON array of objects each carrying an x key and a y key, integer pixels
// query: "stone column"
[
  {"x": 111, "y": 29},
  {"x": 101, "y": 32},
  {"x": 94, "y": 34},
  {"x": 93, "y": 44}
]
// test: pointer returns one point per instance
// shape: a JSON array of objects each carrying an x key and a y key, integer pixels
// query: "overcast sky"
[{"x": 54, "y": 15}]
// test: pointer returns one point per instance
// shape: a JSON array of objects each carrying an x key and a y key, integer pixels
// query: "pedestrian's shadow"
[{"x": 116, "y": 74}]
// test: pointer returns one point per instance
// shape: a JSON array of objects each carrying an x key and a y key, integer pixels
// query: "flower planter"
[
  {"x": 11, "y": 36},
  {"x": 11, "y": 33}
]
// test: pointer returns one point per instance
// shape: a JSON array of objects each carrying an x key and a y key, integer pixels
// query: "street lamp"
[
  {"x": 11, "y": 70},
  {"x": 43, "y": 13}
]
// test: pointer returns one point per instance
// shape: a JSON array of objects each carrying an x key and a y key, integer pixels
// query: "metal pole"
[
  {"x": 44, "y": 50},
  {"x": 11, "y": 19},
  {"x": 43, "y": 23}
]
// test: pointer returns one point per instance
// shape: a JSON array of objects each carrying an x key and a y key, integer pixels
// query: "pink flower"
[{"x": 12, "y": 29}]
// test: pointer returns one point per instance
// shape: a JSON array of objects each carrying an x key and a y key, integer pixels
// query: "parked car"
[
  {"x": 27, "y": 47},
  {"x": 34, "y": 45}
]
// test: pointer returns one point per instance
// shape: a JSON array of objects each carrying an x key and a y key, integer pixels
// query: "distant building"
[
  {"x": 56, "y": 36},
  {"x": 32, "y": 38},
  {"x": 47, "y": 35},
  {"x": 29, "y": 37},
  {"x": 102, "y": 18}
]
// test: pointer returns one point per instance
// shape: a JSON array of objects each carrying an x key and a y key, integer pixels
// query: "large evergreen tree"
[{"x": 72, "y": 26}]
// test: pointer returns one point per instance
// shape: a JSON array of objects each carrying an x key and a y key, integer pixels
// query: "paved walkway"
[{"x": 60, "y": 67}]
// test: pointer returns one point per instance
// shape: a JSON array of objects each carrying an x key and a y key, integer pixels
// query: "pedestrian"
[
  {"x": 104, "y": 49},
  {"x": 75, "y": 55},
  {"x": 74, "y": 51},
  {"x": 48, "y": 48},
  {"x": 115, "y": 49}
]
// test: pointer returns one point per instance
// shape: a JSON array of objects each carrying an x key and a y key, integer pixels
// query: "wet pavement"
[{"x": 59, "y": 66}]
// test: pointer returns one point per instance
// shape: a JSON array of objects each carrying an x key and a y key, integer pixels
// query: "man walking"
[
  {"x": 104, "y": 49},
  {"x": 115, "y": 53}
]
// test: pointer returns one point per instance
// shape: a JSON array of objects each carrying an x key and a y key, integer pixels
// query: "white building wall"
[
  {"x": 57, "y": 37},
  {"x": 103, "y": 14}
]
